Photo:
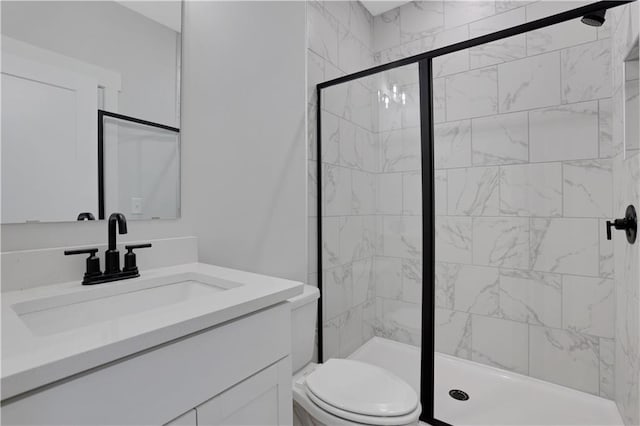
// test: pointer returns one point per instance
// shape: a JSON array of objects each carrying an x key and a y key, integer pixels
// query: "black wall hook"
[{"x": 629, "y": 224}]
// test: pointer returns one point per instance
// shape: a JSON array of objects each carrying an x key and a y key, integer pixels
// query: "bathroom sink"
[
  {"x": 57, "y": 314},
  {"x": 53, "y": 332}
]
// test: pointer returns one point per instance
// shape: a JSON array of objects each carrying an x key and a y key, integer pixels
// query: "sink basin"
[{"x": 62, "y": 313}]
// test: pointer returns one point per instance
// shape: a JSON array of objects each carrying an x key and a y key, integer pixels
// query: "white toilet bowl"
[{"x": 343, "y": 391}]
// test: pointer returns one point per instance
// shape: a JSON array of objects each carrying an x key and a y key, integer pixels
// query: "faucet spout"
[{"x": 119, "y": 220}]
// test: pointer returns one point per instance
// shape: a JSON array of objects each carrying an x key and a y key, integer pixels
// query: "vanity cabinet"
[{"x": 238, "y": 372}]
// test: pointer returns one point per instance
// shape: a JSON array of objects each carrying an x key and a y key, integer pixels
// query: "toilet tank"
[{"x": 304, "y": 316}]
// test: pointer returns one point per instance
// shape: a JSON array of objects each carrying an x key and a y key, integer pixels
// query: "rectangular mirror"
[{"x": 62, "y": 63}]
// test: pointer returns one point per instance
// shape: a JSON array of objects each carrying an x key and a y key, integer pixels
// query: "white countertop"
[{"x": 30, "y": 361}]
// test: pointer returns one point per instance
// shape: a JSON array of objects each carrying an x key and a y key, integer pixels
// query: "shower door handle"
[{"x": 629, "y": 223}]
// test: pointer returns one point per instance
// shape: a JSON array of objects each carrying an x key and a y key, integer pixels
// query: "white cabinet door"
[
  {"x": 187, "y": 419},
  {"x": 262, "y": 399}
]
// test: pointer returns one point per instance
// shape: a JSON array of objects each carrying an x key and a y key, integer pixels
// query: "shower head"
[{"x": 594, "y": 19}]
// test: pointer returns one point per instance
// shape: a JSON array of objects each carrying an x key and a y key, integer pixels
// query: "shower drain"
[{"x": 458, "y": 394}]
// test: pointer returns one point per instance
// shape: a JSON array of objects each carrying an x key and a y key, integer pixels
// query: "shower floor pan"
[{"x": 496, "y": 397}]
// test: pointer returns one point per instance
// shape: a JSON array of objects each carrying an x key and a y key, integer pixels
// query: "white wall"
[{"x": 244, "y": 134}]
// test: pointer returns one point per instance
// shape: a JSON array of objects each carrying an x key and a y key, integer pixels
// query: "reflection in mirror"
[
  {"x": 142, "y": 168},
  {"x": 61, "y": 63}
]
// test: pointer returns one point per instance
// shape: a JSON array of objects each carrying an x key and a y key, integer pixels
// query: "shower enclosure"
[{"x": 461, "y": 244}]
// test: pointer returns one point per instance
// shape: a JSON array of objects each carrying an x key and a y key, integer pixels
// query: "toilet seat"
[{"x": 362, "y": 393}]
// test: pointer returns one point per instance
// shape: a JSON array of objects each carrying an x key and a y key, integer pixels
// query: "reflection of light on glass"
[
  {"x": 395, "y": 92},
  {"x": 379, "y": 96},
  {"x": 403, "y": 96},
  {"x": 386, "y": 101}
]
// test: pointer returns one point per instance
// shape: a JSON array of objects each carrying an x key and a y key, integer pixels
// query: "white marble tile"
[
  {"x": 445, "y": 279},
  {"x": 386, "y": 30},
  {"x": 501, "y": 242},
  {"x": 607, "y": 365},
  {"x": 559, "y": 36},
  {"x": 312, "y": 130},
  {"x": 390, "y": 193},
  {"x": 497, "y": 52},
  {"x": 350, "y": 331},
  {"x": 412, "y": 281},
  {"x": 363, "y": 192},
  {"x": 500, "y": 139},
  {"x": 389, "y": 116},
  {"x": 439, "y": 101},
  {"x": 412, "y": 193},
  {"x": 473, "y": 191},
  {"x": 565, "y": 245},
  {"x": 312, "y": 245},
  {"x": 531, "y": 297},
  {"x": 462, "y": 12},
  {"x": 606, "y": 252},
  {"x": 401, "y": 321},
  {"x": 388, "y": 277},
  {"x": 420, "y": 18},
  {"x": 411, "y": 109},
  {"x": 587, "y": 188},
  {"x": 363, "y": 276},
  {"x": 453, "y": 239},
  {"x": 353, "y": 55},
  {"x": 564, "y": 357},
  {"x": 360, "y": 149},
  {"x": 368, "y": 319},
  {"x": 500, "y": 343},
  {"x": 567, "y": 132},
  {"x": 332, "y": 131},
  {"x": 402, "y": 236},
  {"x": 604, "y": 125},
  {"x": 330, "y": 339},
  {"x": 588, "y": 305},
  {"x": 477, "y": 290},
  {"x": 336, "y": 190},
  {"x": 315, "y": 74},
  {"x": 504, "y": 5},
  {"x": 322, "y": 30},
  {"x": 400, "y": 150},
  {"x": 312, "y": 188},
  {"x": 340, "y": 10},
  {"x": 529, "y": 83},
  {"x": 361, "y": 23},
  {"x": 453, "y": 333},
  {"x": 472, "y": 94},
  {"x": 631, "y": 113},
  {"x": 531, "y": 190},
  {"x": 451, "y": 63},
  {"x": 435, "y": 40},
  {"x": 497, "y": 22},
  {"x": 357, "y": 238},
  {"x": 440, "y": 191},
  {"x": 452, "y": 144},
  {"x": 330, "y": 241},
  {"x": 337, "y": 291},
  {"x": 586, "y": 72},
  {"x": 361, "y": 105}
]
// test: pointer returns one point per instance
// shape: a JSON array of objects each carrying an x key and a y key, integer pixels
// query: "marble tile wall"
[
  {"x": 626, "y": 190},
  {"x": 524, "y": 177},
  {"x": 340, "y": 41}
]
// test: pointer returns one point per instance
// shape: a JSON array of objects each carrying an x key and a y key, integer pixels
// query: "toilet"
[{"x": 342, "y": 391}]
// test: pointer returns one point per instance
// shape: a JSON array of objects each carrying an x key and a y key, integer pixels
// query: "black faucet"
[
  {"x": 112, "y": 256},
  {"x": 112, "y": 271}
]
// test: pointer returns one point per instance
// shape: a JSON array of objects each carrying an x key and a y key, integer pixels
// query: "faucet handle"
[
  {"x": 130, "y": 257},
  {"x": 93, "y": 263}
]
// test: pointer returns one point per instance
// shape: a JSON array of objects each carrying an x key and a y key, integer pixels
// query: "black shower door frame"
[{"x": 425, "y": 73}]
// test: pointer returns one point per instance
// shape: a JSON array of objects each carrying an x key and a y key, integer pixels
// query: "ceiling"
[{"x": 377, "y": 7}]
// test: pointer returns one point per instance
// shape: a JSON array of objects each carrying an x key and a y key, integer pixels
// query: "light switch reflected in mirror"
[{"x": 62, "y": 61}]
